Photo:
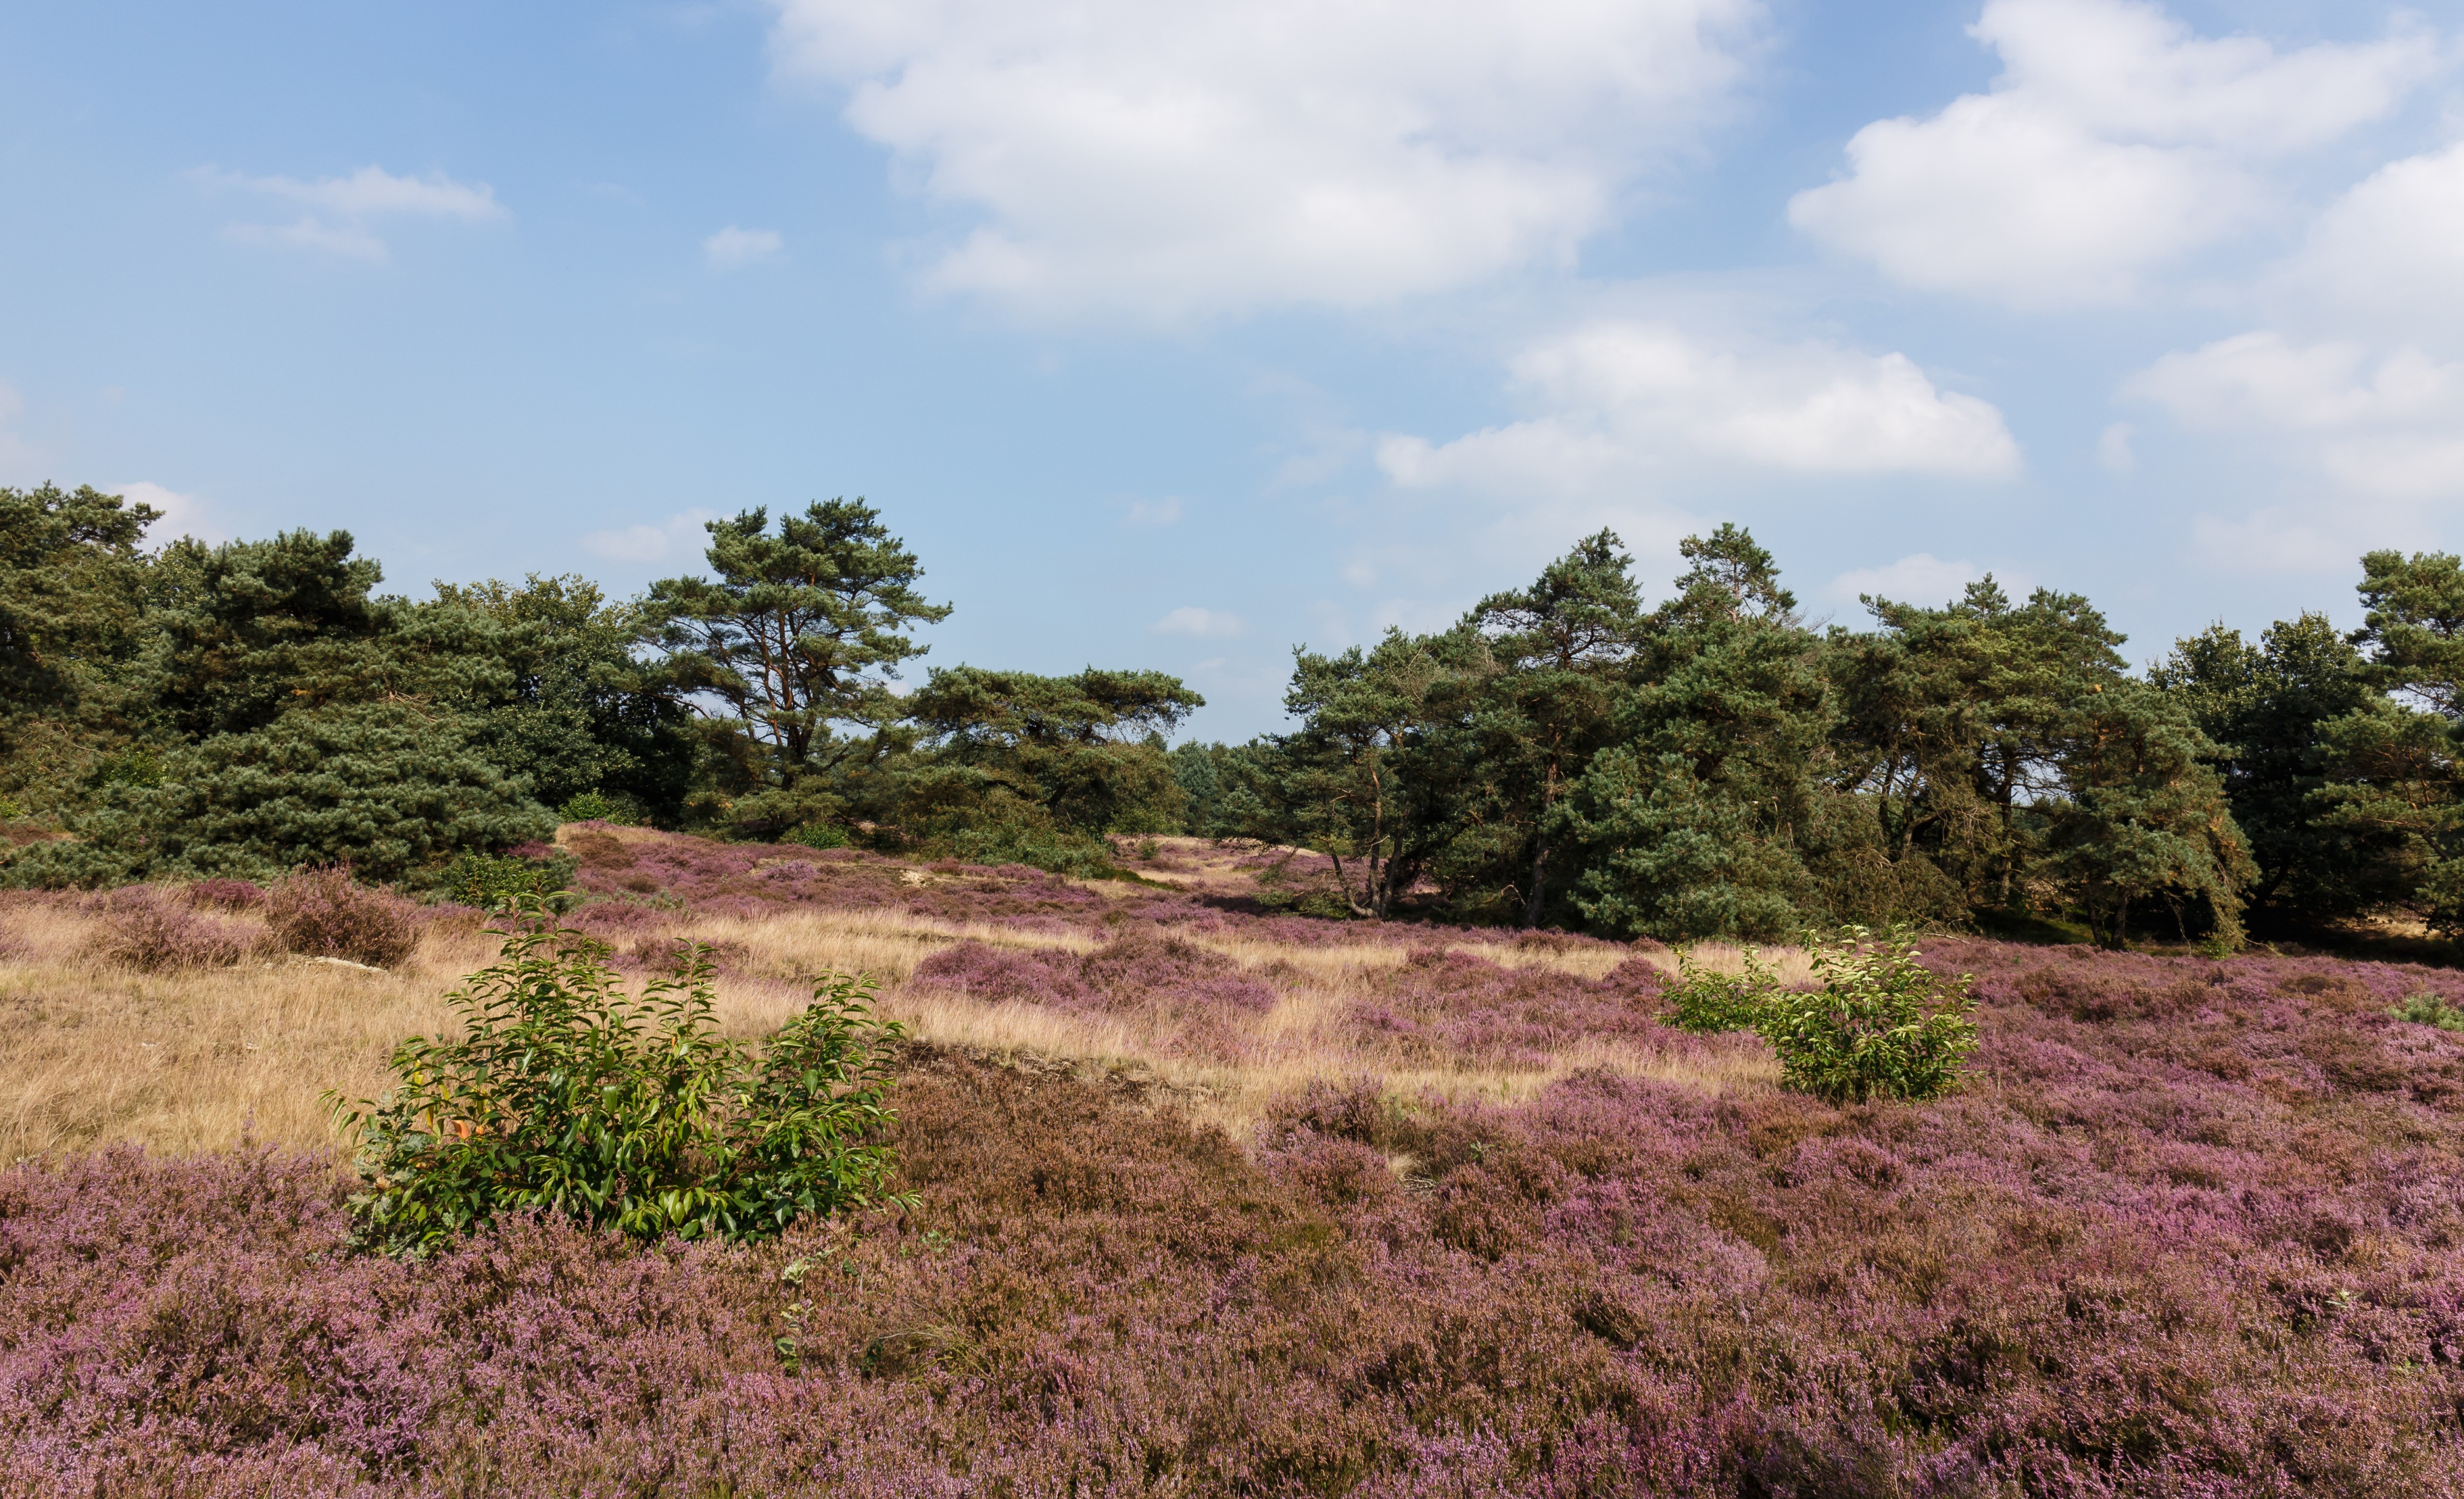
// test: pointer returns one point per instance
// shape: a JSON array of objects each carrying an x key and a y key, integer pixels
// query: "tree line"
[{"x": 1569, "y": 753}]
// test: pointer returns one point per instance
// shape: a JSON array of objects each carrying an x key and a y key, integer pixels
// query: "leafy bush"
[
  {"x": 1880, "y": 1026},
  {"x": 817, "y": 835},
  {"x": 2425, "y": 1008},
  {"x": 144, "y": 928},
  {"x": 324, "y": 913},
  {"x": 567, "y": 1094},
  {"x": 1704, "y": 1001},
  {"x": 593, "y": 806},
  {"x": 492, "y": 881}
]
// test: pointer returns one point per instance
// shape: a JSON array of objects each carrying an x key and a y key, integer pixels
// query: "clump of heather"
[
  {"x": 326, "y": 914},
  {"x": 226, "y": 895},
  {"x": 1193, "y": 992},
  {"x": 145, "y": 928}
]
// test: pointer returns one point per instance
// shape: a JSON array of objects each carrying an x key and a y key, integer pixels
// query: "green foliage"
[
  {"x": 2145, "y": 817},
  {"x": 573, "y": 708},
  {"x": 1880, "y": 1026},
  {"x": 1542, "y": 706},
  {"x": 1370, "y": 777},
  {"x": 493, "y": 882},
  {"x": 816, "y": 835},
  {"x": 2273, "y": 711},
  {"x": 1707, "y": 1001},
  {"x": 72, "y": 593},
  {"x": 387, "y": 788},
  {"x": 799, "y": 633},
  {"x": 594, "y": 806},
  {"x": 1086, "y": 749},
  {"x": 629, "y": 1112},
  {"x": 2425, "y": 1008}
]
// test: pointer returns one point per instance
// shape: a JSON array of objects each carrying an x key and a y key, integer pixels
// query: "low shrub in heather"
[
  {"x": 495, "y": 881},
  {"x": 323, "y": 912},
  {"x": 1707, "y": 1001},
  {"x": 146, "y": 929},
  {"x": 563, "y": 1093},
  {"x": 1880, "y": 1025},
  {"x": 2423, "y": 1008}
]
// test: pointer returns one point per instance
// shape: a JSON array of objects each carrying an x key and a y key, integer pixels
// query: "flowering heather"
[
  {"x": 145, "y": 928},
  {"x": 2189, "y": 1227},
  {"x": 2098, "y": 1270},
  {"x": 226, "y": 895},
  {"x": 326, "y": 914}
]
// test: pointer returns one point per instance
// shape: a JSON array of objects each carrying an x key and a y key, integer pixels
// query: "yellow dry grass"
[{"x": 92, "y": 1052}]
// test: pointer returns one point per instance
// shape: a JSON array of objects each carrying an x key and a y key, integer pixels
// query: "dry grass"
[{"x": 92, "y": 1052}]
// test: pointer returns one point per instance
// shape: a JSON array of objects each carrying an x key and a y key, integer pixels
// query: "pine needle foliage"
[{"x": 631, "y": 1111}]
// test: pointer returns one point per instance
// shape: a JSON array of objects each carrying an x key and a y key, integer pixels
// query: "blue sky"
[{"x": 1174, "y": 336}]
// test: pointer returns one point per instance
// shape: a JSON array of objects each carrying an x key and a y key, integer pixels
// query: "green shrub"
[
  {"x": 491, "y": 881},
  {"x": 2426, "y": 1008},
  {"x": 594, "y": 806},
  {"x": 1703, "y": 1000},
  {"x": 567, "y": 1094},
  {"x": 817, "y": 835},
  {"x": 1880, "y": 1027}
]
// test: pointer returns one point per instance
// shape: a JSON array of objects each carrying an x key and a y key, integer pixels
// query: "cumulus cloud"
[
  {"x": 1919, "y": 578},
  {"x": 183, "y": 515},
  {"x": 1625, "y": 396},
  {"x": 1167, "y": 162},
  {"x": 733, "y": 249},
  {"x": 2390, "y": 426},
  {"x": 341, "y": 211},
  {"x": 1204, "y": 624},
  {"x": 674, "y": 538},
  {"x": 2115, "y": 142},
  {"x": 2390, "y": 253}
]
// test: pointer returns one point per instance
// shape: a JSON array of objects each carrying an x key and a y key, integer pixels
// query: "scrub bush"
[
  {"x": 2423, "y": 1008},
  {"x": 595, "y": 806},
  {"x": 629, "y": 1112},
  {"x": 1704, "y": 1001},
  {"x": 324, "y": 913},
  {"x": 491, "y": 881},
  {"x": 1882, "y": 1025}
]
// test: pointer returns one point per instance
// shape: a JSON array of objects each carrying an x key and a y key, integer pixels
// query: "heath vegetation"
[{"x": 1587, "y": 1056}]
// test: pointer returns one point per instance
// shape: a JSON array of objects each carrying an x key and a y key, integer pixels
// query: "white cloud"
[
  {"x": 732, "y": 248},
  {"x": 2392, "y": 428},
  {"x": 2279, "y": 542},
  {"x": 676, "y": 537},
  {"x": 1623, "y": 397},
  {"x": 2390, "y": 252},
  {"x": 1204, "y": 624},
  {"x": 1172, "y": 160},
  {"x": 183, "y": 515},
  {"x": 341, "y": 211},
  {"x": 2114, "y": 142},
  {"x": 308, "y": 233},
  {"x": 2113, "y": 450},
  {"x": 1162, "y": 512},
  {"x": 1920, "y": 578}
]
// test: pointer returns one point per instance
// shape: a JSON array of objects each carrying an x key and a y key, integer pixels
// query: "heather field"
[{"x": 1212, "y": 1199}]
